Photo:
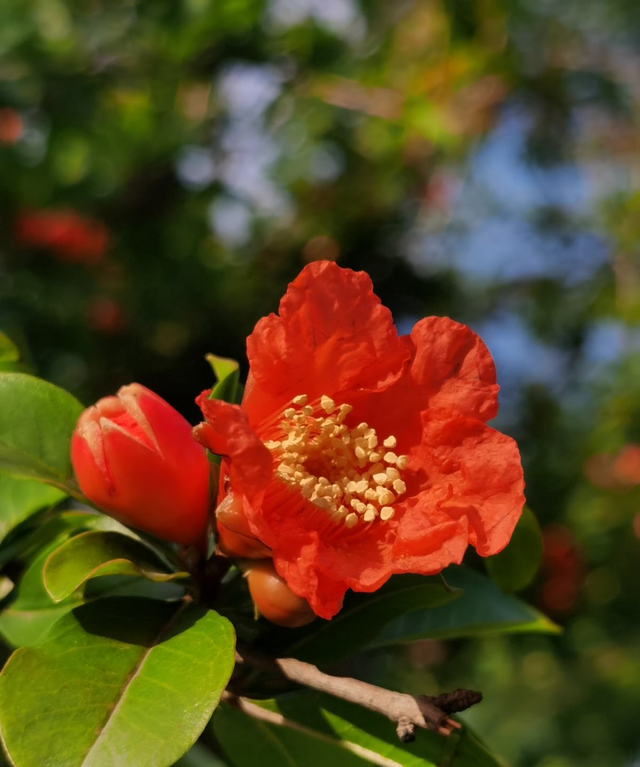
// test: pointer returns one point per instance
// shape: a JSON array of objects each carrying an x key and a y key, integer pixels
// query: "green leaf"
[
  {"x": 36, "y": 423},
  {"x": 20, "y": 498},
  {"x": 364, "y": 616},
  {"x": 32, "y": 611},
  {"x": 94, "y": 554},
  {"x": 116, "y": 682},
  {"x": 199, "y": 756},
  {"x": 516, "y": 566},
  {"x": 227, "y": 373},
  {"x": 482, "y": 610},
  {"x": 8, "y": 350},
  {"x": 319, "y": 730}
]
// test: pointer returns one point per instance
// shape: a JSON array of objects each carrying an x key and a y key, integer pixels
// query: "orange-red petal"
[
  {"x": 463, "y": 469},
  {"x": 332, "y": 335},
  {"x": 226, "y": 432},
  {"x": 452, "y": 368}
]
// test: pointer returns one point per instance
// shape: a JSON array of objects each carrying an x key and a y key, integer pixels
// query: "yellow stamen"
[{"x": 334, "y": 466}]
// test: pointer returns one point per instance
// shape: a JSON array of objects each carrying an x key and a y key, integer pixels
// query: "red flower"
[
  {"x": 106, "y": 316},
  {"x": 627, "y": 466},
  {"x": 11, "y": 126},
  {"x": 358, "y": 454},
  {"x": 70, "y": 236},
  {"x": 135, "y": 458}
]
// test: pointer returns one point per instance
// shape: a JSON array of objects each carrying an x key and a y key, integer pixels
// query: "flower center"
[{"x": 344, "y": 471}]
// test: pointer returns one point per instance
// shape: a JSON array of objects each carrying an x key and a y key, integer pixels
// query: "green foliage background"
[{"x": 479, "y": 158}]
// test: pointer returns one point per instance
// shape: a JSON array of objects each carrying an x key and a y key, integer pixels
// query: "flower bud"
[
  {"x": 234, "y": 536},
  {"x": 134, "y": 458},
  {"x": 274, "y": 600}
]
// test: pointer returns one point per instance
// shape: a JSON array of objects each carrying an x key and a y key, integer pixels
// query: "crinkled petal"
[
  {"x": 322, "y": 571},
  {"x": 427, "y": 540},
  {"x": 452, "y": 368},
  {"x": 226, "y": 432},
  {"x": 463, "y": 469},
  {"x": 332, "y": 335}
]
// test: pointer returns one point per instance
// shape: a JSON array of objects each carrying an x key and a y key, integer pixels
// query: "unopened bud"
[
  {"x": 134, "y": 458},
  {"x": 274, "y": 600}
]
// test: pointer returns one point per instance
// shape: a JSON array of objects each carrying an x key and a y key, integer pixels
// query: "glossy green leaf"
[
  {"x": 36, "y": 423},
  {"x": 515, "y": 567},
  {"x": 20, "y": 498},
  {"x": 481, "y": 610},
  {"x": 364, "y": 616},
  {"x": 31, "y": 610},
  {"x": 319, "y": 730},
  {"x": 93, "y": 554},
  {"x": 227, "y": 373},
  {"x": 116, "y": 682}
]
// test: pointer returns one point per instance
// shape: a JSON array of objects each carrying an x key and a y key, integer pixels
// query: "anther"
[
  {"x": 301, "y": 399},
  {"x": 399, "y": 486},
  {"x": 386, "y": 512},
  {"x": 327, "y": 404},
  {"x": 386, "y": 497},
  {"x": 390, "y": 441}
]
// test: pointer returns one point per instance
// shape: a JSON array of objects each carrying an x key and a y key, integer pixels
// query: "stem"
[
  {"x": 212, "y": 574},
  {"x": 407, "y": 711}
]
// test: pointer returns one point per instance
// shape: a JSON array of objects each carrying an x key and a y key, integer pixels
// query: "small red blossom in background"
[
  {"x": 627, "y": 466},
  {"x": 134, "y": 457},
  {"x": 357, "y": 453},
  {"x": 614, "y": 472},
  {"x": 563, "y": 568},
  {"x": 11, "y": 126},
  {"x": 106, "y": 316},
  {"x": 66, "y": 234}
]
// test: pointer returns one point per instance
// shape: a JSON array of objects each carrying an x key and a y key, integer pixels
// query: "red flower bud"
[
  {"x": 134, "y": 457},
  {"x": 274, "y": 600}
]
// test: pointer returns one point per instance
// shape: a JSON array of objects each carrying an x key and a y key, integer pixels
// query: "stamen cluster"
[{"x": 344, "y": 471}]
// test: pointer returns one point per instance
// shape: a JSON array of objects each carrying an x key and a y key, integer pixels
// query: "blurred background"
[{"x": 167, "y": 166}]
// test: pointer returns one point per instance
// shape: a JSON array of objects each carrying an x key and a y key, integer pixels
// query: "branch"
[
  {"x": 407, "y": 711},
  {"x": 458, "y": 700}
]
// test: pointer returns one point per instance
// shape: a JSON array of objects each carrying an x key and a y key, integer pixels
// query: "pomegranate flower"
[{"x": 358, "y": 453}]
